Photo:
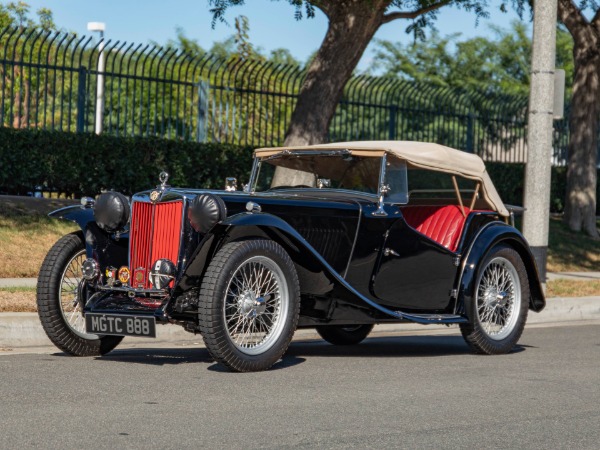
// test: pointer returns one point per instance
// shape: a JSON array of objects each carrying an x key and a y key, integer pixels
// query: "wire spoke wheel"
[
  {"x": 249, "y": 304},
  {"x": 255, "y": 302},
  {"x": 497, "y": 308},
  {"x": 498, "y": 298}
]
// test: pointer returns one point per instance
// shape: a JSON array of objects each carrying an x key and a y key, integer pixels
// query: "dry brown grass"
[
  {"x": 572, "y": 288},
  {"x": 17, "y": 300},
  {"x": 26, "y": 235}
]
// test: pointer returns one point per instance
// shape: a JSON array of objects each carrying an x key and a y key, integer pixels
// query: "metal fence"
[{"x": 50, "y": 81}]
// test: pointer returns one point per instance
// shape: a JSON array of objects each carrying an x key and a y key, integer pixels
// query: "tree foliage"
[
  {"x": 18, "y": 14},
  {"x": 500, "y": 64}
]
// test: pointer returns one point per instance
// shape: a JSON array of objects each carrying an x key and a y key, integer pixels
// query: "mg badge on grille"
[{"x": 154, "y": 196}]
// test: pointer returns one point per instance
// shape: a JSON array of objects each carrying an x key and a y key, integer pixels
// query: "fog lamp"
[
  {"x": 124, "y": 275},
  {"x": 162, "y": 273},
  {"x": 90, "y": 269}
]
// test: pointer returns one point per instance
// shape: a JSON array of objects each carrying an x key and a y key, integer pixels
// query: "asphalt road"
[{"x": 400, "y": 392}]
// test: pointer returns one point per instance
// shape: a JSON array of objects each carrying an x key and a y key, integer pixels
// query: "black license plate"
[{"x": 120, "y": 325}]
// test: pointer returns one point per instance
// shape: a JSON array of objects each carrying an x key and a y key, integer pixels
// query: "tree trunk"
[
  {"x": 352, "y": 24},
  {"x": 580, "y": 202}
]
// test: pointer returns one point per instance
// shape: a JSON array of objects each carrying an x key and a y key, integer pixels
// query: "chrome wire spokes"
[
  {"x": 498, "y": 298},
  {"x": 255, "y": 305},
  {"x": 68, "y": 295}
]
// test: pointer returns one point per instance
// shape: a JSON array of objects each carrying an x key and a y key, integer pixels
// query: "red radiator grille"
[{"x": 155, "y": 233}]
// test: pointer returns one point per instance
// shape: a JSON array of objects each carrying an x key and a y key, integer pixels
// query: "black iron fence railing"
[{"x": 61, "y": 81}]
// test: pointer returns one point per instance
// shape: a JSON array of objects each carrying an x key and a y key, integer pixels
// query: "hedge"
[{"x": 84, "y": 164}]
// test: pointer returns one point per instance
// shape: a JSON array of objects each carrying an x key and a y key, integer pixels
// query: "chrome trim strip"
[
  {"x": 381, "y": 190},
  {"x": 253, "y": 175},
  {"x": 360, "y": 210}
]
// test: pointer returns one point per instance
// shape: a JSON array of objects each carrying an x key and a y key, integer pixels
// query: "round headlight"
[
  {"x": 90, "y": 269},
  {"x": 162, "y": 273},
  {"x": 112, "y": 211}
]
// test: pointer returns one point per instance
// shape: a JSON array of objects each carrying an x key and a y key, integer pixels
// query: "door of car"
[{"x": 414, "y": 272}]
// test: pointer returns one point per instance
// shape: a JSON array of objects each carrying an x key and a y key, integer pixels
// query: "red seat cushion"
[{"x": 443, "y": 224}]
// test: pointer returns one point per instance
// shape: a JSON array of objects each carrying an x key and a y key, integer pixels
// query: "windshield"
[
  {"x": 331, "y": 170},
  {"x": 323, "y": 171}
]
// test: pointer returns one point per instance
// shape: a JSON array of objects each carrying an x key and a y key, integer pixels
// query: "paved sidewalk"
[
  {"x": 577, "y": 276},
  {"x": 17, "y": 282}
]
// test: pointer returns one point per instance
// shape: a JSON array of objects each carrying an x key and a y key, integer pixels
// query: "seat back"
[{"x": 443, "y": 224}]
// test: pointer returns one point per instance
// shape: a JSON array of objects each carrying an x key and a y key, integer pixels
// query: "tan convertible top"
[{"x": 423, "y": 155}]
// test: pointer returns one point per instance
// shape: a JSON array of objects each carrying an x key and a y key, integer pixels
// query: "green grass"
[{"x": 15, "y": 289}]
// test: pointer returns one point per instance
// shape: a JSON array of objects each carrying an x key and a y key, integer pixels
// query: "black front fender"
[
  {"x": 490, "y": 236},
  {"x": 78, "y": 214},
  {"x": 105, "y": 248}
]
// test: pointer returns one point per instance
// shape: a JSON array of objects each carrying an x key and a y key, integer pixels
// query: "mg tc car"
[{"x": 337, "y": 237}]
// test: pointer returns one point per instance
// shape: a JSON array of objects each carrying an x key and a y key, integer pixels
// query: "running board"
[{"x": 432, "y": 318}]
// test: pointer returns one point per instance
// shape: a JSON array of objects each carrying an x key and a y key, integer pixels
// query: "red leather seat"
[{"x": 443, "y": 224}]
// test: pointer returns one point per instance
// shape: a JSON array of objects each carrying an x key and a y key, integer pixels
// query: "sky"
[{"x": 272, "y": 23}]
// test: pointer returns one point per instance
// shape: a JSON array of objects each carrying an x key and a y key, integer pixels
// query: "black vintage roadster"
[{"x": 337, "y": 237}]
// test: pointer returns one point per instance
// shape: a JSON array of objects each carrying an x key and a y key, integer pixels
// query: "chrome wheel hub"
[{"x": 252, "y": 305}]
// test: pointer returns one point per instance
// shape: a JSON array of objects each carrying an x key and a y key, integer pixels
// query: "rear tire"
[
  {"x": 249, "y": 305},
  {"x": 344, "y": 334},
  {"x": 59, "y": 303},
  {"x": 498, "y": 308}
]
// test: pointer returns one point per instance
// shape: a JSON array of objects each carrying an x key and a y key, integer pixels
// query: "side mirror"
[
  {"x": 230, "y": 184},
  {"x": 323, "y": 183}
]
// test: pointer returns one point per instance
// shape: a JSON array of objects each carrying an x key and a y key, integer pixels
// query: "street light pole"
[
  {"x": 100, "y": 27},
  {"x": 536, "y": 217}
]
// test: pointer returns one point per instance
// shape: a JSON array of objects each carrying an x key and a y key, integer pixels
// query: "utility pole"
[{"x": 539, "y": 133}]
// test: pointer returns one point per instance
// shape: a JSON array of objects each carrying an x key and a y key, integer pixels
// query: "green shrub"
[{"x": 84, "y": 164}]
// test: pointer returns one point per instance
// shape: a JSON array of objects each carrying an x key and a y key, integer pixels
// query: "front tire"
[
  {"x": 59, "y": 300},
  {"x": 498, "y": 308},
  {"x": 249, "y": 305},
  {"x": 344, "y": 334}
]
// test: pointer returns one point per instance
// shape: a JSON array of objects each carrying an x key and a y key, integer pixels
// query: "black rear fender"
[{"x": 491, "y": 235}]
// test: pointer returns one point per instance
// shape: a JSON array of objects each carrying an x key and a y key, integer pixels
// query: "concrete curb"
[{"x": 20, "y": 331}]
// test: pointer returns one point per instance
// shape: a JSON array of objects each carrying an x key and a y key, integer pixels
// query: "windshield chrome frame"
[{"x": 382, "y": 188}]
